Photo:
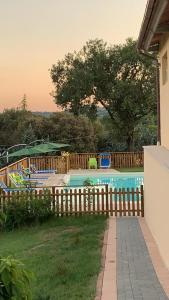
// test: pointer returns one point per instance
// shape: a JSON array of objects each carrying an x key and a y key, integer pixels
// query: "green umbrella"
[
  {"x": 50, "y": 145},
  {"x": 30, "y": 151},
  {"x": 38, "y": 149}
]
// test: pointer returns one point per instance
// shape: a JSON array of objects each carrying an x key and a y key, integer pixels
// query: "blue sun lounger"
[
  {"x": 7, "y": 189},
  {"x": 105, "y": 160},
  {"x": 35, "y": 171},
  {"x": 32, "y": 178}
]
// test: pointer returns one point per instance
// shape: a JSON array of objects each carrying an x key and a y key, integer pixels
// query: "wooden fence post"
[
  {"x": 107, "y": 199},
  {"x": 1, "y": 202},
  {"x": 142, "y": 201},
  {"x": 53, "y": 200}
]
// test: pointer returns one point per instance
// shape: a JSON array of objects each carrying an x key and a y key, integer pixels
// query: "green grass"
[
  {"x": 136, "y": 169},
  {"x": 64, "y": 254}
]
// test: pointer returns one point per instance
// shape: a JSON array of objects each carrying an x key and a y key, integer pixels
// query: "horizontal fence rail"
[{"x": 94, "y": 200}]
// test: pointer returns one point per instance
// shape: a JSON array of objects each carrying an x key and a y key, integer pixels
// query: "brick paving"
[{"x": 135, "y": 274}]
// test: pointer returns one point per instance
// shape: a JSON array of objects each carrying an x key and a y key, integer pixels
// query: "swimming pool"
[{"x": 123, "y": 180}]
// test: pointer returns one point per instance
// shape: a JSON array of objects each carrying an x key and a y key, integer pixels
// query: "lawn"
[
  {"x": 64, "y": 254},
  {"x": 136, "y": 169}
]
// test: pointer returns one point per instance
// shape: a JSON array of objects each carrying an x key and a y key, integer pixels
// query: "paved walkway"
[
  {"x": 130, "y": 272},
  {"x": 136, "y": 277}
]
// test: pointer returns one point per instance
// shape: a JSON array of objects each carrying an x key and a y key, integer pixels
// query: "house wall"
[
  {"x": 157, "y": 196},
  {"x": 164, "y": 92}
]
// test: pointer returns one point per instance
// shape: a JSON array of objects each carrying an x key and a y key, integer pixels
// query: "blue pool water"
[{"x": 125, "y": 180}]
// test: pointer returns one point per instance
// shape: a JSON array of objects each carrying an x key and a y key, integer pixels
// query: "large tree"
[{"x": 115, "y": 77}]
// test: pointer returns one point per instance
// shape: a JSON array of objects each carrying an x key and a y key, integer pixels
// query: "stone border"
[
  {"x": 107, "y": 285},
  {"x": 103, "y": 259},
  {"x": 159, "y": 266},
  {"x": 88, "y": 172}
]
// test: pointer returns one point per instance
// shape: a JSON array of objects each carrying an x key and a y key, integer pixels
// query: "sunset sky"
[{"x": 34, "y": 34}]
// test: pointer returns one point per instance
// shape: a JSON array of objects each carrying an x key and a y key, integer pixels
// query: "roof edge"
[{"x": 153, "y": 13}]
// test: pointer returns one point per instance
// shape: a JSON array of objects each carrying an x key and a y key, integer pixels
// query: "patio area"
[
  {"x": 63, "y": 179},
  {"x": 51, "y": 179}
]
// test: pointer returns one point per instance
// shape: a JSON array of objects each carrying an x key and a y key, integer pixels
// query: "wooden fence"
[
  {"x": 118, "y": 159},
  {"x": 80, "y": 161},
  {"x": 93, "y": 200},
  {"x": 59, "y": 163}
]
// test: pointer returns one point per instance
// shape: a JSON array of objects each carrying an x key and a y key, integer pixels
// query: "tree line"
[{"x": 83, "y": 135}]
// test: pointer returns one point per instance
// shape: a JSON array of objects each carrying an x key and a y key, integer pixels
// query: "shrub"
[
  {"x": 27, "y": 209},
  {"x": 14, "y": 280},
  {"x": 41, "y": 297},
  {"x": 87, "y": 182},
  {"x": 2, "y": 219}
]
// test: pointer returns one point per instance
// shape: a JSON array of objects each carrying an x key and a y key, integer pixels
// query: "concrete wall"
[
  {"x": 157, "y": 196},
  {"x": 164, "y": 93}
]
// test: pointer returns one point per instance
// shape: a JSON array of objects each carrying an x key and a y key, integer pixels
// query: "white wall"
[
  {"x": 164, "y": 94},
  {"x": 157, "y": 196}
]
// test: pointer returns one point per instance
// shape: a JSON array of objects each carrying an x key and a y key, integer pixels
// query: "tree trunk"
[{"x": 129, "y": 142}]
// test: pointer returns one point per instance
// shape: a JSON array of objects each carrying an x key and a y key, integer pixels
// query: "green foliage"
[
  {"x": 2, "y": 220},
  {"x": 77, "y": 131},
  {"x": 145, "y": 132},
  {"x": 24, "y": 127},
  {"x": 109, "y": 138},
  {"x": 12, "y": 126},
  {"x": 14, "y": 280},
  {"x": 28, "y": 135},
  {"x": 88, "y": 182},
  {"x": 27, "y": 210},
  {"x": 41, "y": 297},
  {"x": 116, "y": 77}
]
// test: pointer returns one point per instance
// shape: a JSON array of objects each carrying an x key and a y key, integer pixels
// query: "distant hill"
[
  {"x": 42, "y": 113},
  {"x": 101, "y": 112}
]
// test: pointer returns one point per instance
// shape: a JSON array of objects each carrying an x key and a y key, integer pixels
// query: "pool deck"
[
  {"x": 133, "y": 268},
  {"x": 63, "y": 179},
  {"x": 92, "y": 171},
  {"x": 52, "y": 179}
]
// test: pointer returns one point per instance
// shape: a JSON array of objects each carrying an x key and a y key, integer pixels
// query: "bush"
[
  {"x": 88, "y": 182},
  {"x": 2, "y": 220},
  {"x": 27, "y": 210},
  {"x": 14, "y": 280}
]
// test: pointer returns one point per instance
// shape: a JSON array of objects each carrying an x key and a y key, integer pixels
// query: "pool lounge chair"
[
  {"x": 4, "y": 187},
  {"x": 105, "y": 162},
  {"x": 20, "y": 178},
  {"x": 92, "y": 163},
  {"x": 26, "y": 173},
  {"x": 35, "y": 171},
  {"x": 19, "y": 182},
  {"x": 31, "y": 178}
]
